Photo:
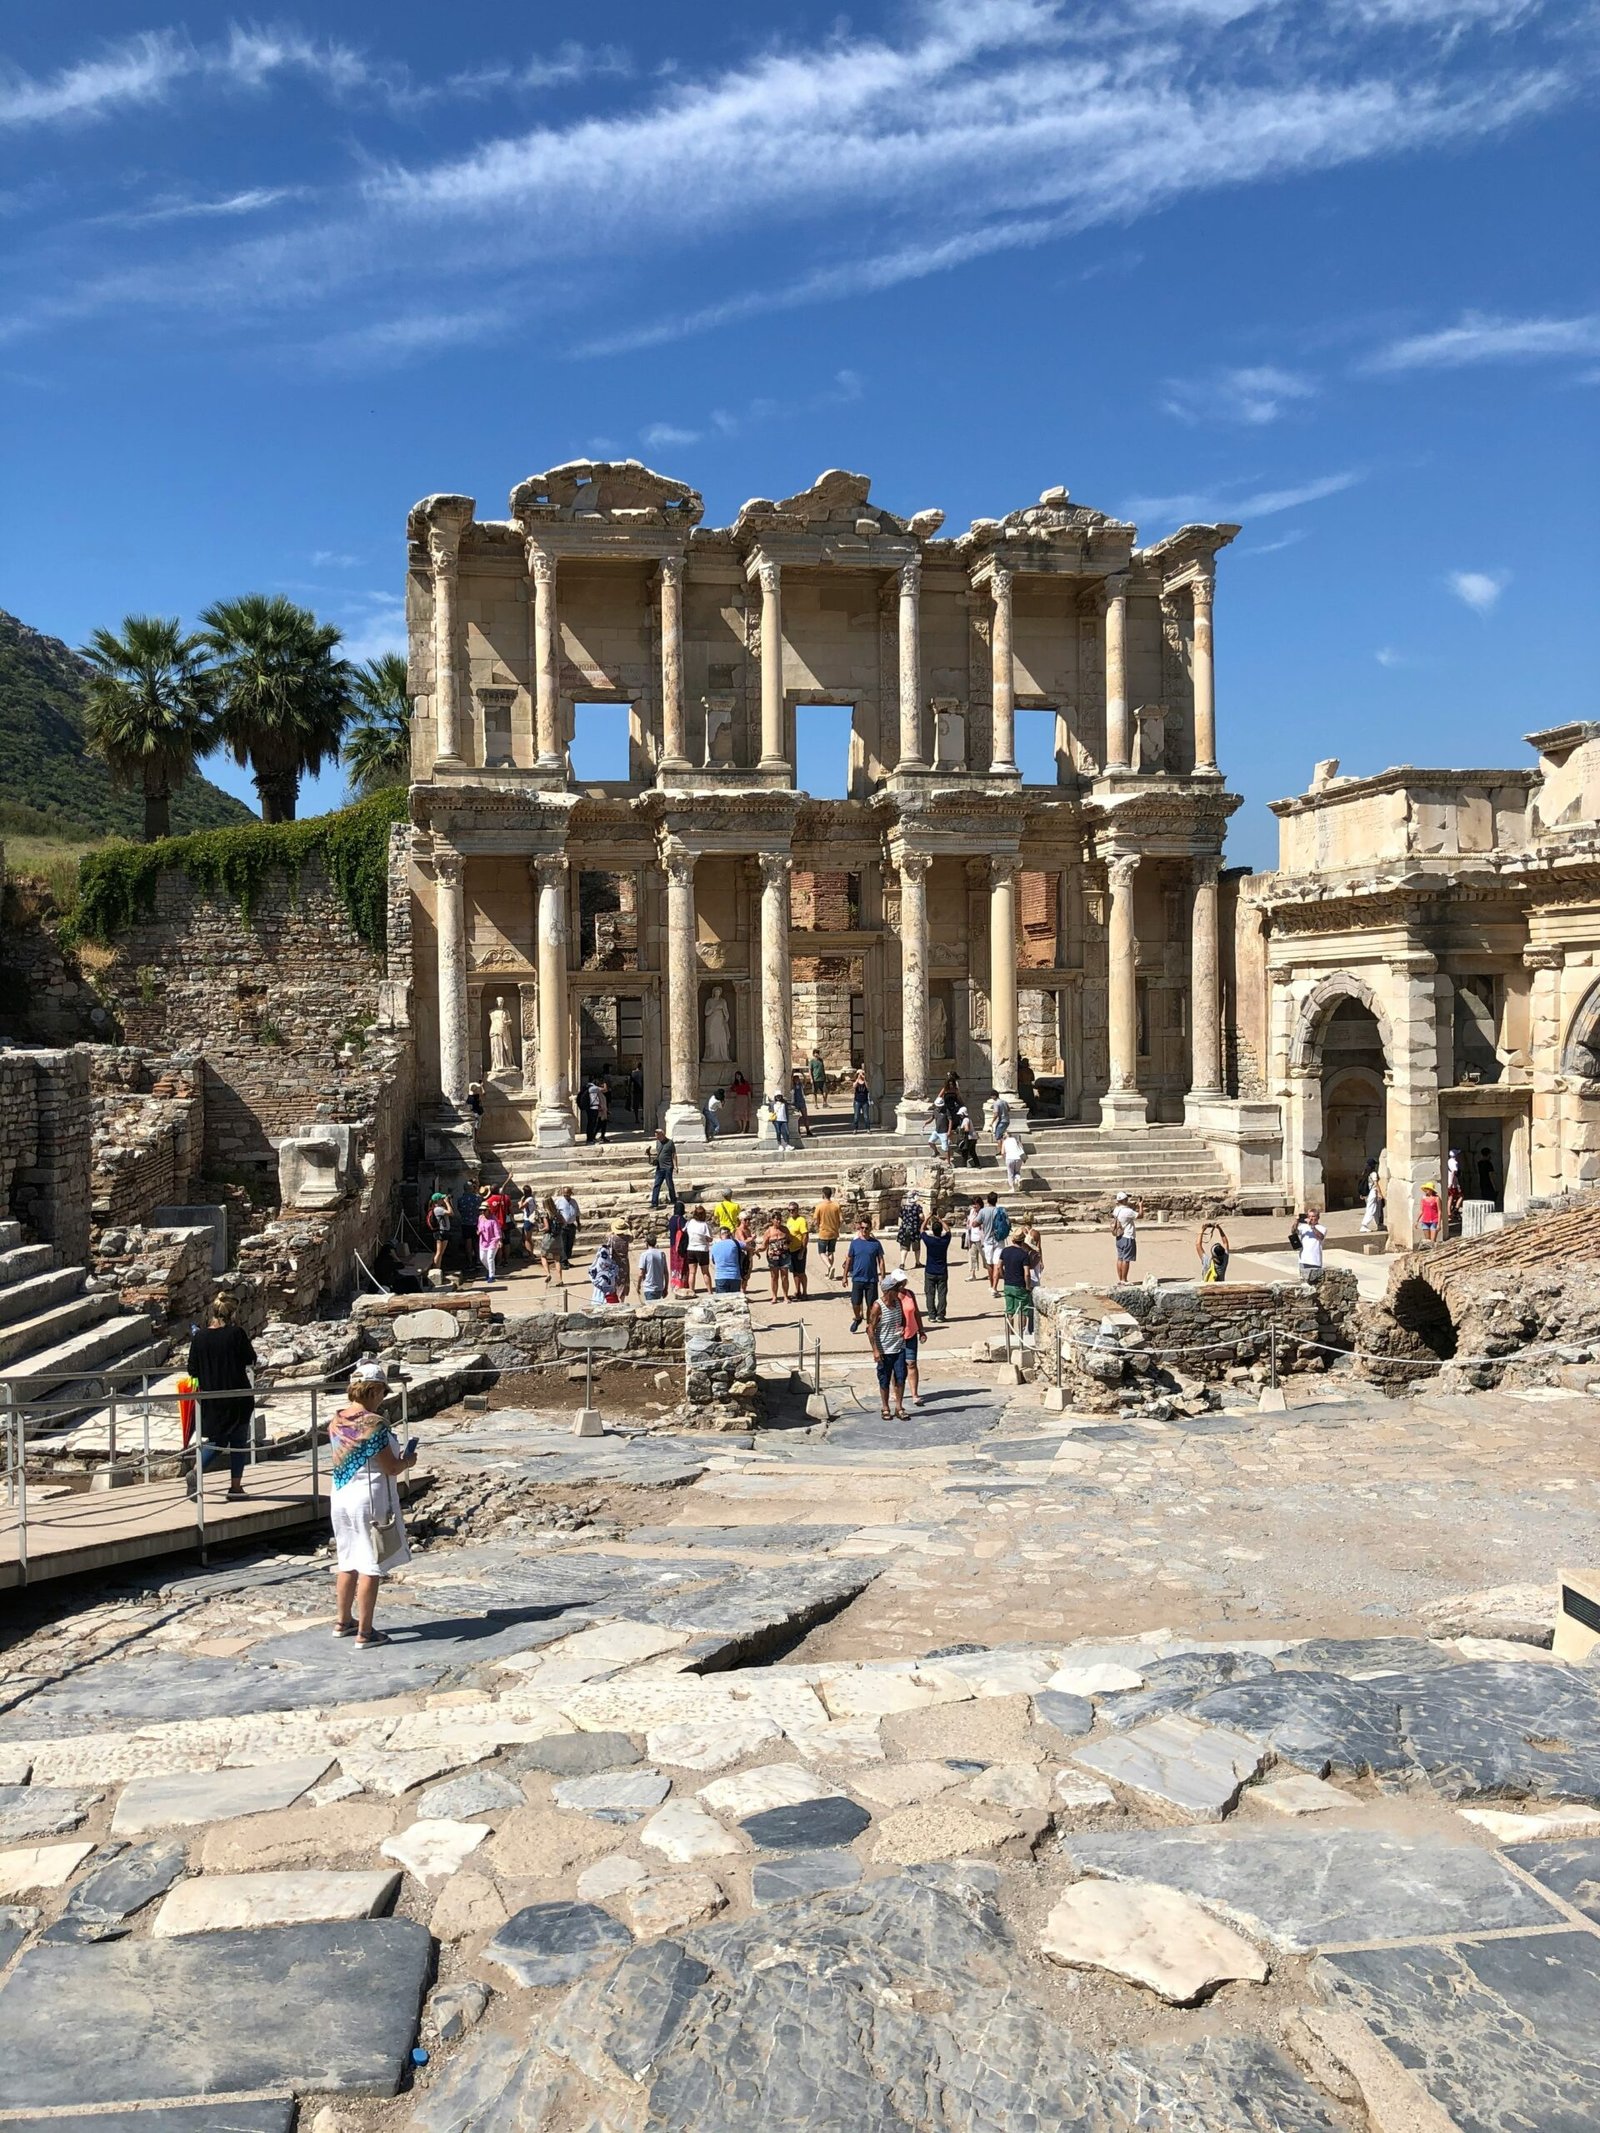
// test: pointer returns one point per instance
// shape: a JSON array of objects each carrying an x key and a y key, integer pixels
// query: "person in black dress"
[{"x": 220, "y": 1361}]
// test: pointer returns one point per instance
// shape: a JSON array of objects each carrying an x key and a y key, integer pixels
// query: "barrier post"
[
  {"x": 111, "y": 1385},
  {"x": 199, "y": 1485},
  {"x": 19, "y": 1429},
  {"x": 316, "y": 1490}
]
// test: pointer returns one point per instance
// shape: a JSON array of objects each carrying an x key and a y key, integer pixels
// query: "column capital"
[
  {"x": 678, "y": 861},
  {"x": 770, "y": 571},
  {"x": 1121, "y": 868},
  {"x": 448, "y": 864},
  {"x": 1003, "y": 870},
  {"x": 774, "y": 867},
  {"x": 1001, "y": 579},
  {"x": 541, "y": 564},
  {"x": 1202, "y": 588},
  {"x": 910, "y": 578},
  {"x": 444, "y": 550},
  {"x": 1206, "y": 866},
  {"x": 671, "y": 570},
  {"x": 913, "y": 865},
  {"x": 548, "y": 868}
]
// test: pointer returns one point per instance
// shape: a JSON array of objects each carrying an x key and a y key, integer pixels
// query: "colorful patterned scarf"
[{"x": 355, "y": 1438}]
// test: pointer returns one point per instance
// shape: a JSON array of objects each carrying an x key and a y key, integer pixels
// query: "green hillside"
[{"x": 50, "y": 785}]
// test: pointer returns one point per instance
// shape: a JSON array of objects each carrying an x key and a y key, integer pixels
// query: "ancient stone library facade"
[{"x": 701, "y": 912}]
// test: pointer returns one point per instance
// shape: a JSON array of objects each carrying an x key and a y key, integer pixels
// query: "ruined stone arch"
[
  {"x": 1580, "y": 1049},
  {"x": 1305, "y": 1052}
]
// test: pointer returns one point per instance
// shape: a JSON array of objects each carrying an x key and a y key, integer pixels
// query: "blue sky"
[{"x": 1328, "y": 270}]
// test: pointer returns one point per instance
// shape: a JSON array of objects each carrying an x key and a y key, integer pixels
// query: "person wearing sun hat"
[
  {"x": 369, "y": 1534},
  {"x": 1428, "y": 1212},
  {"x": 886, "y": 1331}
]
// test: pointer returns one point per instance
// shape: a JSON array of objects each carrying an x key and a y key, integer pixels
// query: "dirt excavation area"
[{"x": 987, "y": 1770}]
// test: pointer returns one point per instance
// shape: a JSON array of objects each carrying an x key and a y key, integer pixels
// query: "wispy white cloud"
[
  {"x": 331, "y": 559},
  {"x": 658, "y": 435},
  {"x": 1480, "y": 589},
  {"x": 1256, "y": 394},
  {"x": 252, "y": 200},
  {"x": 1481, "y": 337},
  {"x": 973, "y": 132},
  {"x": 140, "y": 70},
  {"x": 1205, "y": 506},
  {"x": 1390, "y": 655},
  {"x": 388, "y": 341}
]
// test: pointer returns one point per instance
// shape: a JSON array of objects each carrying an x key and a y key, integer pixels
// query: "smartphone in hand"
[{"x": 411, "y": 1445}]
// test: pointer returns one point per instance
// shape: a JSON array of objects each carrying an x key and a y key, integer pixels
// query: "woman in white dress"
[{"x": 369, "y": 1533}]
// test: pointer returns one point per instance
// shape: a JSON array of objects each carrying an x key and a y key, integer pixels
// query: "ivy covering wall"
[{"x": 117, "y": 885}]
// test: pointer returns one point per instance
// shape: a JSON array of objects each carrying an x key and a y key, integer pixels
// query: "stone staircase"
[
  {"x": 59, "y": 1340},
  {"x": 1071, "y": 1172}
]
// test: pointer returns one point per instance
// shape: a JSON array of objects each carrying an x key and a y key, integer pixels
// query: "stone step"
[
  {"x": 68, "y": 1401},
  {"x": 25, "y": 1300},
  {"x": 27, "y": 1337},
  {"x": 10, "y": 1236},
  {"x": 23, "y": 1263},
  {"x": 92, "y": 1349}
]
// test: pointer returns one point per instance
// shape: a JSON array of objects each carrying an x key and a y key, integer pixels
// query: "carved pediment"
[
  {"x": 835, "y": 502},
  {"x": 623, "y": 491}
]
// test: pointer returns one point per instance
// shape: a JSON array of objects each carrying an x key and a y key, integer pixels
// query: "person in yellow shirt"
[
  {"x": 799, "y": 1237},
  {"x": 726, "y": 1214},
  {"x": 827, "y": 1219}
]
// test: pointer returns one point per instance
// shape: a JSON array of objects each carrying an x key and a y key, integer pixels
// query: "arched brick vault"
[{"x": 1305, "y": 1053}]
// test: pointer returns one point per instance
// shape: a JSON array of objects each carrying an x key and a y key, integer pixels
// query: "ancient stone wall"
[
  {"x": 45, "y": 997},
  {"x": 165, "y": 1272},
  {"x": 279, "y": 1004},
  {"x": 44, "y": 1148},
  {"x": 149, "y": 1131}
]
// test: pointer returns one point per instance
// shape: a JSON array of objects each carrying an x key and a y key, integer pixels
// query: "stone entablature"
[{"x": 1079, "y": 916}]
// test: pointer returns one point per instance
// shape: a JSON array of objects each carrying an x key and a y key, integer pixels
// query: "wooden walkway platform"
[{"x": 102, "y": 1529}]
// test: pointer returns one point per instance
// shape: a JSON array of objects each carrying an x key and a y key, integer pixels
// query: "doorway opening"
[
  {"x": 1040, "y": 745},
  {"x": 1355, "y": 1109}
]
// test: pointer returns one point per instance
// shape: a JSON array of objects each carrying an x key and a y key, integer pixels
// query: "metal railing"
[{"x": 25, "y": 1421}]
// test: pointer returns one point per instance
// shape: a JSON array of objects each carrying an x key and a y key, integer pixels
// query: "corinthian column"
[
  {"x": 772, "y": 757},
  {"x": 1003, "y": 981},
  {"x": 546, "y": 704},
  {"x": 1204, "y": 678},
  {"x": 775, "y": 1000},
  {"x": 443, "y": 552},
  {"x": 450, "y": 934},
  {"x": 914, "y": 990},
  {"x": 674, "y": 756},
  {"x": 1003, "y": 751},
  {"x": 911, "y": 756},
  {"x": 1205, "y": 981},
  {"x": 553, "y": 1128},
  {"x": 1122, "y": 1105},
  {"x": 1119, "y": 736},
  {"x": 685, "y": 1120}
]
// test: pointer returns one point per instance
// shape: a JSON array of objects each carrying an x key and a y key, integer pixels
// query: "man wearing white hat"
[{"x": 886, "y": 1330}]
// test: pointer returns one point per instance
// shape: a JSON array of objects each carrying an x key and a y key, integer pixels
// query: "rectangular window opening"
[
  {"x": 822, "y": 746},
  {"x": 1036, "y": 747},
  {"x": 600, "y": 743}
]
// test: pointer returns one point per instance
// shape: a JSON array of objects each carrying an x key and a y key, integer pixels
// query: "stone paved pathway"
[{"x": 1044, "y": 1772}]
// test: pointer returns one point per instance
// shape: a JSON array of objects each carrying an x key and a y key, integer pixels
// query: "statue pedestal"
[
  {"x": 686, "y": 1126},
  {"x": 1122, "y": 1108},
  {"x": 553, "y": 1129}
]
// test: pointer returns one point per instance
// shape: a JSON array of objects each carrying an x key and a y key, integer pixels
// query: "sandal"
[
  {"x": 373, "y": 1636},
  {"x": 344, "y": 1629}
]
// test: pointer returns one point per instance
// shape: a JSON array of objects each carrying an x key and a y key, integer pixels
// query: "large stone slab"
[
  {"x": 804, "y": 1874},
  {"x": 271, "y": 2115},
  {"x": 114, "y": 1892},
  {"x": 1504, "y": 2035},
  {"x": 1152, "y": 1936},
  {"x": 132, "y": 2019},
  {"x": 1321, "y": 1721},
  {"x": 1369, "y": 1658},
  {"x": 186, "y": 1797},
  {"x": 1195, "y": 1768},
  {"x": 433, "y": 1850},
  {"x": 1317, "y": 1888},
  {"x": 475, "y": 1792},
  {"x": 714, "y": 1743},
  {"x": 1177, "y": 1684},
  {"x": 613, "y": 1795},
  {"x": 824, "y": 1824},
  {"x": 1571, "y": 1870},
  {"x": 41, "y": 1811},
  {"x": 40, "y": 1866},
  {"x": 553, "y": 1943},
  {"x": 214, "y": 1903},
  {"x": 753, "y": 1791},
  {"x": 682, "y": 1830},
  {"x": 1071, "y": 1715},
  {"x": 1507, "y": 1729},
  {"x": 575, "y": 1754}
]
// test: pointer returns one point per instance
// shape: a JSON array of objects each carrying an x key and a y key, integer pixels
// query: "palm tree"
[
  {"x": 377, "y": 744},
  {"x": 283, "y": 692},
  {"x": 149, "y": 709}
]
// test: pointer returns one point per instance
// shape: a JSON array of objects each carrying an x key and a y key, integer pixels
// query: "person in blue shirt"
[
  {"x": 727, "y": 1263},
  {"x": 865, "y": 1268},
  {"x": 936, "y": 1253}
]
